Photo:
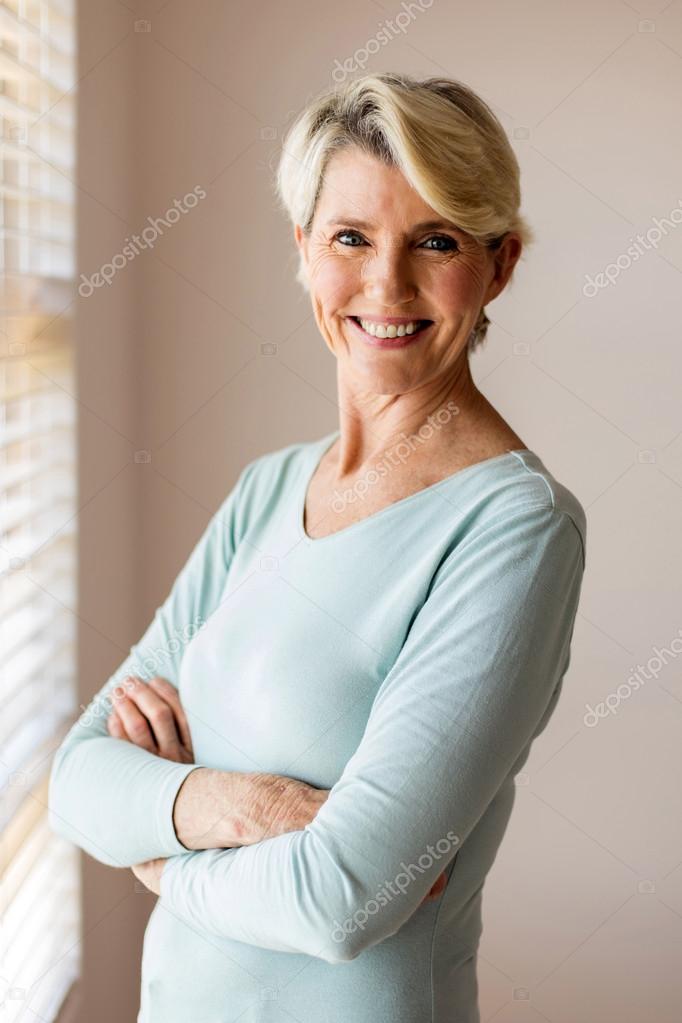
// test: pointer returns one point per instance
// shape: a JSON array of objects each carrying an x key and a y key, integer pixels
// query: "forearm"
[{"x": 223, "y": 809}]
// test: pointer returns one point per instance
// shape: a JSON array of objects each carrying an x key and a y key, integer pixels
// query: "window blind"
[{"x": 39, "y": 872}]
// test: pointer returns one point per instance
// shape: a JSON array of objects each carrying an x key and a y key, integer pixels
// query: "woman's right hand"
[{"x": 437, "y": 888}]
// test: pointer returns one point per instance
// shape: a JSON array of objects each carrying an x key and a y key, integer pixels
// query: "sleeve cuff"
[{"x": 169, "y": 841}]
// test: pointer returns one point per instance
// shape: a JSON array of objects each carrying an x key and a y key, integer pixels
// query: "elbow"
[
  {"x": 59, "y": 801},
  {"x": 55, "y": 816},
  {"x": 63, "y": 806},
  {"x": 334, "y": 958},
  {"x": 345, "y": 949},
  {"x": 349, "y": 917},
  {"x": 344, "y": 941},
  {"x": 334, "y": 955}
]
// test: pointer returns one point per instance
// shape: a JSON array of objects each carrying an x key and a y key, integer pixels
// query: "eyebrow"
[{"x": 425, "y": 225}]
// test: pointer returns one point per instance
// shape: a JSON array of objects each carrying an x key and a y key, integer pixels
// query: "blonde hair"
[{"x": 444, "y": 138}]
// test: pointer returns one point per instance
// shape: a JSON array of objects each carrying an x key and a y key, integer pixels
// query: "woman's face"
[{"x": 377, "y": 251}]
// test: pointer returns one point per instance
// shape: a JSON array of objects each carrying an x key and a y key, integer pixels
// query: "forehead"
[{"x": 358, "y": 186}]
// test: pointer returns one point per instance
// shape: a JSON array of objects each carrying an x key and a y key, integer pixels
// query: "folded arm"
[{"x": 474, "y": 683}]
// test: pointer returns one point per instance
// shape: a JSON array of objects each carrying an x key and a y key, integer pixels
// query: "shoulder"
[
  {"x": 521, "y": 497},
  {"x": 559, "y": 499},
  {"x": 278, "y": 466},
  {"x": 264, "y": 480}
]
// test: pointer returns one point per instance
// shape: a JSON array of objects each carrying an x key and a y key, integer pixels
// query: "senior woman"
[{"x": 310, "y": 754}]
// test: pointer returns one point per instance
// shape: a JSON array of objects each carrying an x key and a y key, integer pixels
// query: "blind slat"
[{"x": 39, "y": 875}]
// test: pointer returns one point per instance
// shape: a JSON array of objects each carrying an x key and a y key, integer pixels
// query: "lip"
[
  {"x": 388, "y": 342},
  {"x": 388, "y": 321}
]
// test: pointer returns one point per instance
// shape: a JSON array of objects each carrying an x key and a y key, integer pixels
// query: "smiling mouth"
[{"x": 389, "y": 332}]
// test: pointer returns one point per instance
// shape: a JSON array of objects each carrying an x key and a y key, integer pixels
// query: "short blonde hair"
[{"x": 444, "y": 138}]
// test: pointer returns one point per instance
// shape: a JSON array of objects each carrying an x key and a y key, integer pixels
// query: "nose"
[{"x": 388, "y": 278}]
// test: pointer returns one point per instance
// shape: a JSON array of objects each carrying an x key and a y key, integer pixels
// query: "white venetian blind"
[{"x": 39, "y": 879}]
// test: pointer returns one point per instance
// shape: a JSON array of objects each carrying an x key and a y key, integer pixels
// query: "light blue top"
[{"x": 406, "y": 662}]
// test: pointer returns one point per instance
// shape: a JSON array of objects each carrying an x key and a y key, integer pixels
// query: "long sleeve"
[
  {"x": 475, "y": 680},
  {"x": 106, "y": 795}
]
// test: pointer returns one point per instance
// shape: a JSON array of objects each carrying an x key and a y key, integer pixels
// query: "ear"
[
  {"x": 504, "y": 260},
  {"x": 300, "y": 238}
]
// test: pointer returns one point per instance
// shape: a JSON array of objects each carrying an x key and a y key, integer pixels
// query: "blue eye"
[
  {"x": 450, "y": 243},
  {"x": 443, "y": 238},
  {"x": 337, "y": 237}
]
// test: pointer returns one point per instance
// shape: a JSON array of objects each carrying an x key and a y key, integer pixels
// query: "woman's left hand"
[
  {"x": 149, "y": 873},
  {"x": 151, "y": 716}
]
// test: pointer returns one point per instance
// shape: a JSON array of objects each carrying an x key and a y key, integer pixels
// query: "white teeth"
[{"x": 381, "y": 331}]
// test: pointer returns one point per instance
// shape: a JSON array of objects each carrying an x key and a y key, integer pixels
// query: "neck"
[{"x": 371, "y": 424}]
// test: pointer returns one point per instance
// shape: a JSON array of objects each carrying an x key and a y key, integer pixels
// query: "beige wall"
[
  {"x": 107, "y": 365},
  {"x": 170, "y": 363}
]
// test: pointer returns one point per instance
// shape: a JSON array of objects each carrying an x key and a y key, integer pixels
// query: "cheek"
[
  {"x": 335, "y": 282},
  {"x": 457, "y": 289}
]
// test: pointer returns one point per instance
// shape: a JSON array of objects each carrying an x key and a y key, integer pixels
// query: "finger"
[
  {"x": 172, "y": 696},
  {"x": 115, "y": 726},
  {"x": 160, "y": 718},
  {"x": 115, "y": 722},
  {"x": 135, "y": 724},
  {"x": 122, "y": 690},
  {"x": 440, "y": 884},
  {"x": 438, "y": 887}
]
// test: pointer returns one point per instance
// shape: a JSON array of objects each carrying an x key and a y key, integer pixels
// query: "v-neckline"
[{"x": 321, "y": 451}]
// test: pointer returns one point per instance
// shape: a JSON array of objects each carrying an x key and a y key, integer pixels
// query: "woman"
[{"x": 322, "y": 724}]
